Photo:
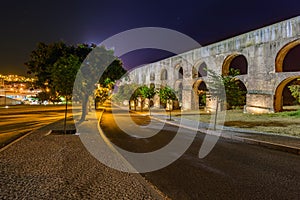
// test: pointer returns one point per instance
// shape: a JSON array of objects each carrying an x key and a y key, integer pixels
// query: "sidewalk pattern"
[{"x": 43, "y": 166}]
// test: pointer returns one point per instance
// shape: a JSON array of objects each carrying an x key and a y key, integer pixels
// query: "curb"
[
  {"x": 270, "y": 145},
  {"x": 16, "y": 140},
  {"x": 142, "y": 179}
]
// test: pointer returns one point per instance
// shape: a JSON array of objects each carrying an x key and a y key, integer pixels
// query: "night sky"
[{"x": 25, "y": 23}]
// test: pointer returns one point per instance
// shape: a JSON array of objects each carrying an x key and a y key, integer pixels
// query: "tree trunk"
[
  {"x": 142, "y": 105},
  {"x": 65, "y": 121},
  {"x": 84, "y": 108},
  {"x": 216, "y": 114}
]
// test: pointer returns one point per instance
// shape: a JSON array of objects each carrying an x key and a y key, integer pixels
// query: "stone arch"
[
  {"x": 235, "y": 61},
  {"x": 286, "y": 55},
  {"x": 243, "y": 98},
  {"x": 163, "y": 75},
  {"x": 199, "y": 92},
  {"x": 180, "y": 73},
  {"x": 278, "y": 96},
  {"x": 199, "y": 70}
]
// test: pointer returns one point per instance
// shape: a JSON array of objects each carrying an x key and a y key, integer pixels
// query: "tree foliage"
[
  {"x": 167, "y": 95},
  {"x": 226, "y": 88},
  {"x": 295, "y": 90},
  {"x": 147, "y": 93},
  {"x": 45, "y": 57},
  {"x": 56, "y": 66},
  {"x": 63, "y": 75}
]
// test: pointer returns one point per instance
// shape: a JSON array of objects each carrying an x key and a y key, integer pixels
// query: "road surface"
[
  {"x": 18, "y": 120},
  {"x": 233, "y": 170}
]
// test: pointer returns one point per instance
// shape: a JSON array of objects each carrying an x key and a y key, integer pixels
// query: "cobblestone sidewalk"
[{"x": 59, "y": 167}]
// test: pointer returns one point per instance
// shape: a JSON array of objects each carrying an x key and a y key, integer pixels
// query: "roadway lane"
[
  {"x": 18, "y": 120},
  {"x": 233, "y": 170}
]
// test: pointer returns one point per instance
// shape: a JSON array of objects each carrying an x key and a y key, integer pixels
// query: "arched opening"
[
  {"x": 202, "y": 70},
  {"x": 199, "y": 70},
  {"x": 180, "y": 73},
  {"x": 152, "y": 85},
  {"x": 283, "y": 95},
  {"x": 287, "y": 59},
  {"x": 235, "y": 61},
  {"x": 164, "y": 75},
  {"x": 152, "y": 76},
  {"x": 240, "y": 101},
  {"x": 200, "y": 91}
]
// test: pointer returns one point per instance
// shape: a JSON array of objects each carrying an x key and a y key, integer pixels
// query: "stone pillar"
[
  {"x": 187, "y": 99},
  {"x": 156, "y": 101},
  {"x": 258, "y": 103}
]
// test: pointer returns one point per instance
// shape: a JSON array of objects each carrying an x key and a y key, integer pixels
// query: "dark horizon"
[{"x": 25, "y": 24}]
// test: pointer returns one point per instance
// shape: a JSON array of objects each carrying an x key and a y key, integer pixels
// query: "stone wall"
[{"x": 260, "y": 48}]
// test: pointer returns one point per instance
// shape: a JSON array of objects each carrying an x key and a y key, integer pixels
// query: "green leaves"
[
  {"x": 295, "y": 90},
  {"x": 166, "y": 94},
  {"x": 63, "y": 74},
  {"x": 226, "y": 88},
  {"x": 147, "y": 92},
  {"x": 56, "y": 64}
]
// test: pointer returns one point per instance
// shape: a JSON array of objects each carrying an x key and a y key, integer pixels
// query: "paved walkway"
[{"x": 47, "y": 166}]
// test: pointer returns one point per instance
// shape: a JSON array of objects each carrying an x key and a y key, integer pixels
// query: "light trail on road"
[{"x": 18, "y": 120}]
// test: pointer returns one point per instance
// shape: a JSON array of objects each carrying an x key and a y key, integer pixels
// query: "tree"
[
  {"x": 234, "y": 95},
  {"x": 63, "y": 75},
  {"x": 100, "y": 64},
  {"x": 126, "y": 92},
  {"x": 43, "y": 96},
  {"x": 225, "y": 89},
  {"x": 44, "y": 57},
  {"x": 42, "y": 60},
  {"x": 167, "y": 95},
  {"x": 295, "y": 90},
  {"x": 94, "y": 62},
  {"x": 113, "y": 72},
  {"x": 135, "y": 97},
  {"x": 108, "y": 83},
  {"x": 147, "y": 93}
]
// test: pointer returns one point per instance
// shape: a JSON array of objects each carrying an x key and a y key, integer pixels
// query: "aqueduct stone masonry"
[{"x": 268, "y": 59}]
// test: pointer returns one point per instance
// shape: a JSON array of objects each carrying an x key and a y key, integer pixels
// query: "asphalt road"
[
  {"x": 18, "y": 120},
  {"x": 233, "y": 170}
]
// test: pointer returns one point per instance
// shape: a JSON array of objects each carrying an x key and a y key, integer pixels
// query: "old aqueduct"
[{"x": 268, "y": 59}]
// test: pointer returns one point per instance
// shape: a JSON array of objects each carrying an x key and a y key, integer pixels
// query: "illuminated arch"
[
  {"x": 236, "y": 61},
  {"x": 278, "y": 93},
  {"x": 199, "y": 89},
  {"x": 283, "y": 52}
]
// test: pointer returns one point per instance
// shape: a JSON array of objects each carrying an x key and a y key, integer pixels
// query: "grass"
[
  {"x": 290, "y": 114},
  {"x": 285, "y": 123}
]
